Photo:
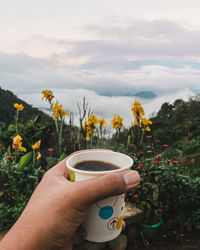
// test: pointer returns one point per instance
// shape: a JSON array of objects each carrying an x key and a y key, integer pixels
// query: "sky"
[{"x": 104, "y": 50}]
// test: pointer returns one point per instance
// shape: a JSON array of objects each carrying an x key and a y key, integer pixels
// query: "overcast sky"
[{"x": 105, "y": 50}]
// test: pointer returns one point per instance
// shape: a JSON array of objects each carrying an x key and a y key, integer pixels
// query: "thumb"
[{"x": 96, "y": 189}]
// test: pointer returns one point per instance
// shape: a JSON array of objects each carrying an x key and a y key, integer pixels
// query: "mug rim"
[{"x": 97, "y": 173}]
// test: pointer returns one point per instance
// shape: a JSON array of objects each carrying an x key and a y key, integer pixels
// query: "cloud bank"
[{"x": 119, "y": 58}]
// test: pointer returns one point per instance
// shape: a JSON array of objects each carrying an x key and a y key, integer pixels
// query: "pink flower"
[
  {"x": 149, "y": 151},
  {"x": 149, "y": 136},
  {"x": 140, "y": 152},
  {"x": 25, "y": 179},
  {"x": 0, "y": 150},
  {"x": 157, "y": 140},
  {"x": 175, "y": 162},
  {"x": 9, "y": 158},
  {"x": 185, "y": 160},
  {"x": 165, "y": 146},
  {"x": 140, "y": 166},
  {"x": 1, "y": 145},
  {"x": 156, "y": 162},
  {"x": 132, "y": 145},
  {"x": 158, "y": 156},
  {"x": 50, "y": 149}
]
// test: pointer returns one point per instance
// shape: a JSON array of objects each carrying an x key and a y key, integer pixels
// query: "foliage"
[
  {"x": 165, "y": 149},
  {"x": 17, "y": 182},
  {"x": 166, "y": 189}
]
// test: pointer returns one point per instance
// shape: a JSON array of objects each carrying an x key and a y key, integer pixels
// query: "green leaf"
[
  {"x": 62, "y": 157},
  {"x": 155, "y": 195},
  {"x": 25, "y": 160}
]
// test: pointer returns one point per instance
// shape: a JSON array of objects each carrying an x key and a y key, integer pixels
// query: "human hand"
[{"x": 58, "y": 206}]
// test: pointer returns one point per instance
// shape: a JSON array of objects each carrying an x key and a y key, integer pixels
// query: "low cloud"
[{"x": 105, "y": 106}]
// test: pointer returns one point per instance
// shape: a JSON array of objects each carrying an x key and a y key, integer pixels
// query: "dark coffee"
[{"x": 95, "y": 166}]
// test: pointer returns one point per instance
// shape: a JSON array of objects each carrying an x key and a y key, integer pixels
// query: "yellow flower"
[
  {"x": 102, "y": 122},
  {"x": 48, "y": 95},
  {"x": 19, "y": 107},
  {"x": 17, "y": 139},
  {"x": 17, "y": 143},
  {"x": 137, "y": 110},
  {"x": 135, "y": 123},
  {"x": 145, "y": 124},
  {"x": 36, "y": 145},
  {"x": 38, "y": 156},
  {"x": 147, "y": 129},
  {"x": 117, "y": 121},
  {"x": 56, "y": 115},
  {"x": 88, "y": 135},
  {"x": 92, "y": 121},
  {"x": 20, "y": 148},
  {"x": 59, "y": 112}
]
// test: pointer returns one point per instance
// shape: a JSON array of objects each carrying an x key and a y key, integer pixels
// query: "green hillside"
[
  {"x": 178, "y": 125},
  {"x": 7, "y": 114}
]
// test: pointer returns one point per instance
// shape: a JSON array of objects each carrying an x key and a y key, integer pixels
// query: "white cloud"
[
  {"x": 106, "y": 107},
  {"x": 25, "y": 74}
]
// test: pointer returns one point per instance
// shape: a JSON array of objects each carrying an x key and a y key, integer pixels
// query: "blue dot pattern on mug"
[{"x": 106, "y": 212}]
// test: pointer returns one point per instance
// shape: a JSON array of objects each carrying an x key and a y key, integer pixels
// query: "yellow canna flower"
[
  {"x": 137, "y": 110},
  {"x": 63, "y": 112},
  {"x": 102, "y": 123},
  {"x": 56, "y": 115},
  {"x": 117, "y": 121},
  {"x": 19, "y": 107},
  {"x": 88, "y": 135},
  {"x": 48, "y": 95},
  {"x": 20, "y": 148},
  {"x": 17, "y": 143},
  {"x": 59, "y": 112},
  {"x": 147, "y": 129},
  {"x": 17, "y": 139},
  {"x": 92, "y": 121},
  {"x": 38, "y": 156},
  {"x": 135, "y": 123},
  {"x": 145, "y": 124},
  {"x": 36, "y": 145},
  {"x": 56, "y": 107}
]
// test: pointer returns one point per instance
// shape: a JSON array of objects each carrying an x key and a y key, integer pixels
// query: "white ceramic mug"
[{"x": 103, "y": 221}]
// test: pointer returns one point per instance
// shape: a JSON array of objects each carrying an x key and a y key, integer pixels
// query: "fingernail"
[{"x": 131, "y": 178}]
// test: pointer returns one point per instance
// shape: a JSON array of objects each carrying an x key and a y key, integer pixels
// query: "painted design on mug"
[
  {"x": 119, "y": 223},
  {"x": 106, "y": 211},
  {"x": 71, "y": 175},
  {"x": 112, "y": 223}
]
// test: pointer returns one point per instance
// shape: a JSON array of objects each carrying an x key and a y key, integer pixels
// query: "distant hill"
[
  {"x": 7, "y": 111},
  {"x": 145, "y": 94}
]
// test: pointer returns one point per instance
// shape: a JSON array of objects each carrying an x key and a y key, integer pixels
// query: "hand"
[{"x": 57, "y": 207}]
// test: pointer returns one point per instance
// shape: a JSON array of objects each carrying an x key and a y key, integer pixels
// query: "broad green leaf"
[{"x": 25, "y": 160}]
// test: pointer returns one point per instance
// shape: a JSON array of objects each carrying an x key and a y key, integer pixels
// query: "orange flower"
[
  {"x": 19, "y": 107},
  {"x": 48, "y": 95}
]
